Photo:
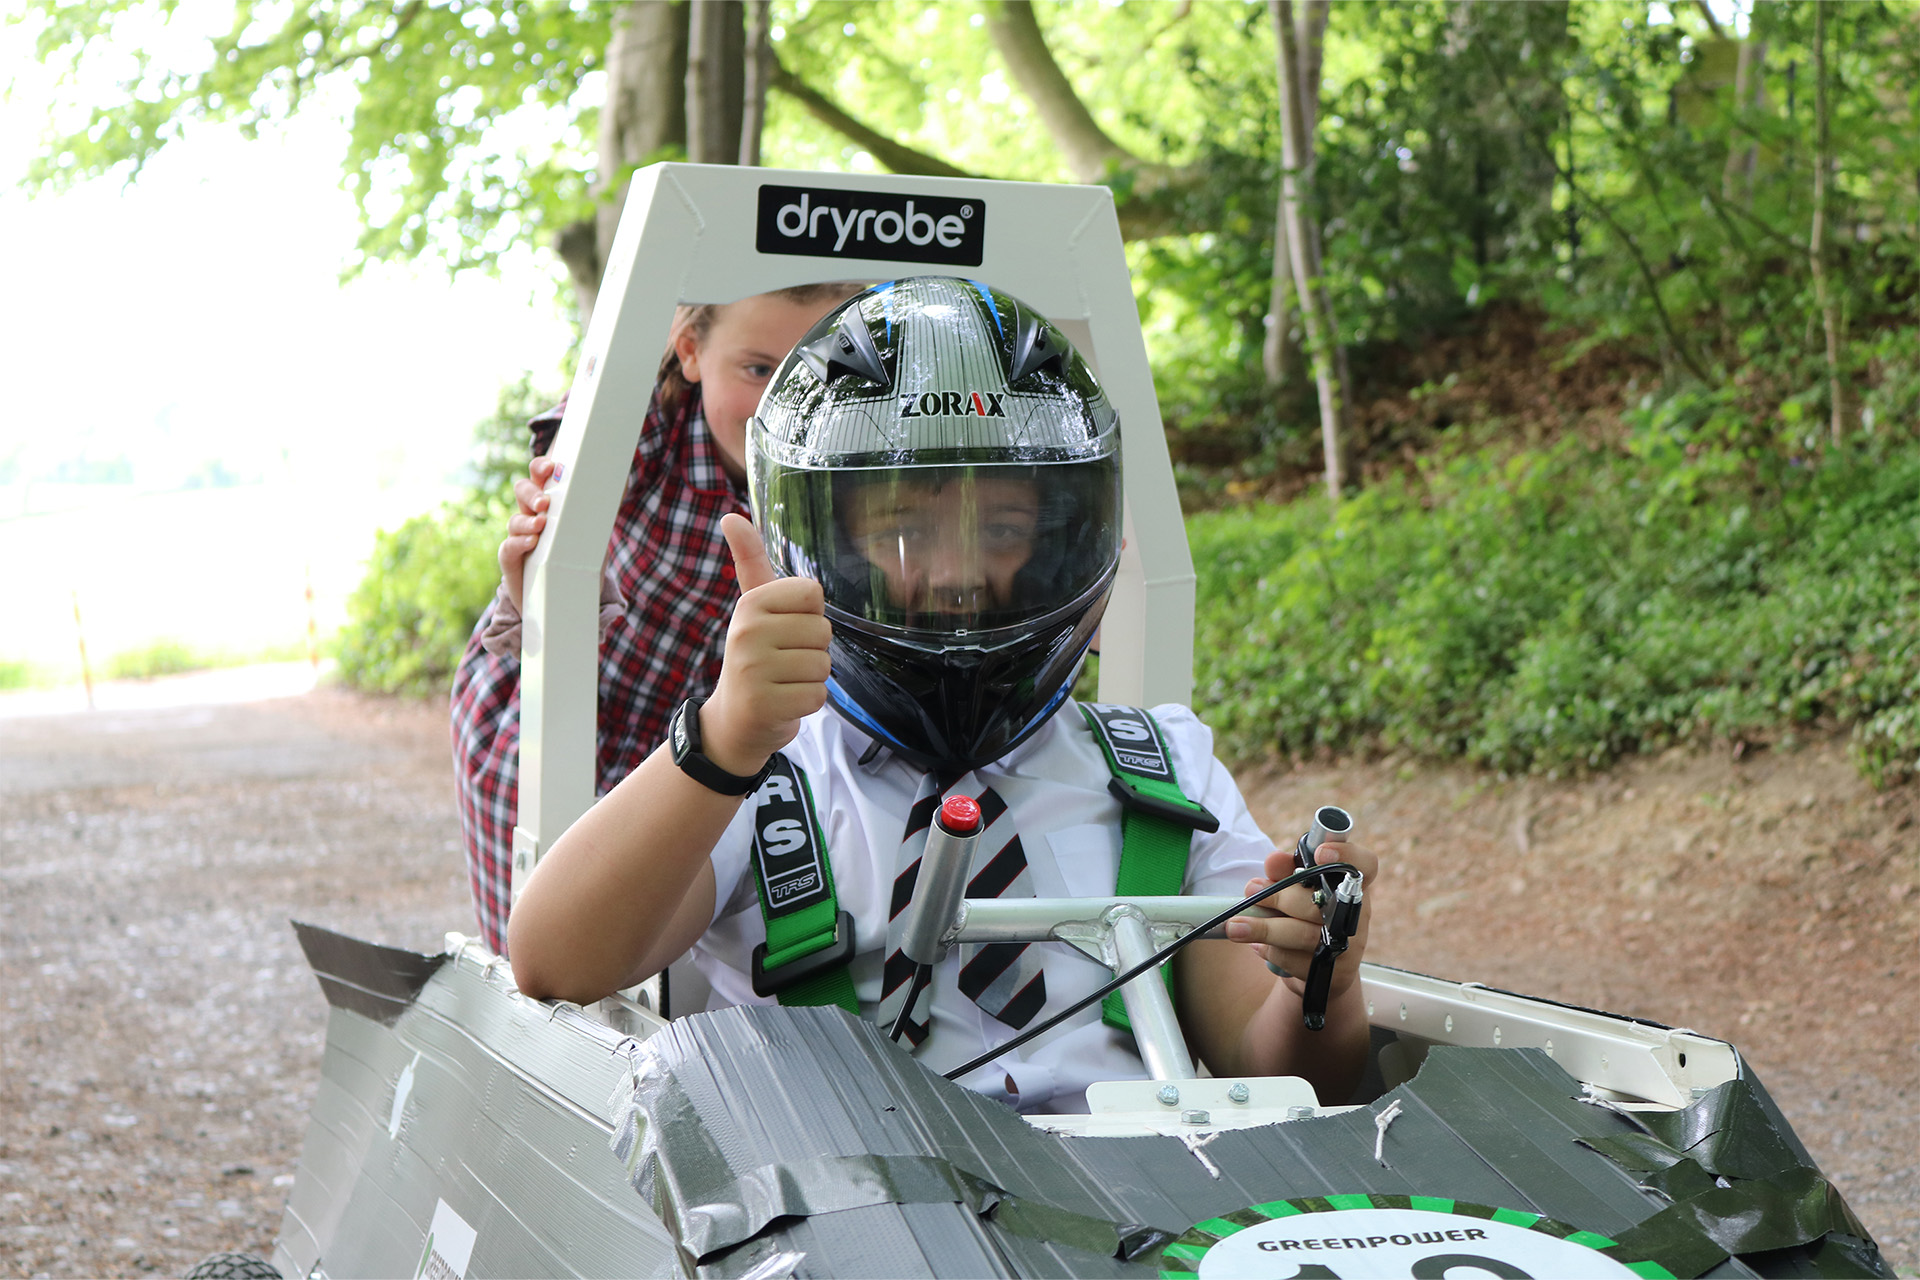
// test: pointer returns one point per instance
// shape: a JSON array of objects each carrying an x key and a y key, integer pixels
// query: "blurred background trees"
[
  {"x": 1368, "y": 240},
  {"x": 1688, "y": 185}
]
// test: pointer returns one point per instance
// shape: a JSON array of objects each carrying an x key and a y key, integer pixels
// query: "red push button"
[{"x": 960, "y": 815}]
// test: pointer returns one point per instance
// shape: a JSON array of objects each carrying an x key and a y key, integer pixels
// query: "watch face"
[{"x": 682, "y": 737}]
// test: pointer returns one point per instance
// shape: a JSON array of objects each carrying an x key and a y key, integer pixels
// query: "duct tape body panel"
[
  {"x": 450, "y": 1108},
  {"x": 480, "y": 1133}
]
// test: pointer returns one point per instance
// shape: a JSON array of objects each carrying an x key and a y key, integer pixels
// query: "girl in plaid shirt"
[{"x": 668, "y": 587}]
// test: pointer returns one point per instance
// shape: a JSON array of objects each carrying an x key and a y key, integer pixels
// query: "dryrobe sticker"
[
  {"x": 1386, "y": 1237},
  {"x": 783, "y": 843},
  {"x": 449, "y": 1246},
  {"x": 1132, "y": 740},
  {"x": 834, "y": 223}
]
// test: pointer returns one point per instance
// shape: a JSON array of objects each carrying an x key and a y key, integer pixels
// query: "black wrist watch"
[{"x": 683, "y": 734}]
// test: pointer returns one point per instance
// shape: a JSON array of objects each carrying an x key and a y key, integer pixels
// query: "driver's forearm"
[{"x": 625, "y": 890}]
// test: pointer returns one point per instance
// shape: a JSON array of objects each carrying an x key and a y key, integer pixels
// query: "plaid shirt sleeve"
[{"x": 676, "y": 575}]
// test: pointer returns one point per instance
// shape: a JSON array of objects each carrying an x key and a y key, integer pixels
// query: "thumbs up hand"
[{"x": 775, "y": 670}]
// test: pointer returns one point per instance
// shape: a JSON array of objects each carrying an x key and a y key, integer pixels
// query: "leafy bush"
[
  {"x": 428, "y": 581},
  {"x": 409, "y": 619},
  {"x": 164, "y": 657},
  {"x": 1559, "y": 609}
]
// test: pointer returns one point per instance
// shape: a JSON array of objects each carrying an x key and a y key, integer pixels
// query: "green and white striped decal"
[{"x": 1394, "y": 1237}]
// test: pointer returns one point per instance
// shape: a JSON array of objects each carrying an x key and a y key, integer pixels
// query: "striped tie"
[{"x": 1003, "y": 978}]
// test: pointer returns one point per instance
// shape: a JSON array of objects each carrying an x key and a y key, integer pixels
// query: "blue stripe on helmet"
[
  {"x": 851, "y": 709},
  {"x": 987, "y": 297},
  {"x": 883, "y": 290}
]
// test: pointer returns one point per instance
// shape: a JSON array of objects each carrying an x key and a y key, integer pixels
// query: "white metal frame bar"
[
  {"x": 688, "y": 234},
  {"x": 1630, "y": 1062}
]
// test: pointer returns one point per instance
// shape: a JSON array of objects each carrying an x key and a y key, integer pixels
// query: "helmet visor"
[{"x": 951, "y": 549}]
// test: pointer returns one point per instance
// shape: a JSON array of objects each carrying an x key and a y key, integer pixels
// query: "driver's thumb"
[{"x": 751, "y": 566}]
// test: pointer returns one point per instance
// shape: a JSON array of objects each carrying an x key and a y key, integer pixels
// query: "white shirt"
[{"x": 1055, "y": 788}]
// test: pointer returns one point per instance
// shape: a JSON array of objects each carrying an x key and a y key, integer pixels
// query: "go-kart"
[{"x": 462, "y": 1129}]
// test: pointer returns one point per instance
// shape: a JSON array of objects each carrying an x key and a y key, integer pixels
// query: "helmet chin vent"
[{"x": 846, "y": 348}]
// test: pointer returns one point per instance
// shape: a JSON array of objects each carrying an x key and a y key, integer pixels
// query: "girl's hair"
[{"x": 697, "y": 319}]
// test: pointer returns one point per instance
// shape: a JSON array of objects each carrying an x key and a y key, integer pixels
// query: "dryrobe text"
[{"x": 827, "y": 222}]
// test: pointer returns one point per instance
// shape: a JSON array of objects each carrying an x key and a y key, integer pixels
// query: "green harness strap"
[
  {"x": 1157, "y": 833},
  {"x": 809, "y": 938}
]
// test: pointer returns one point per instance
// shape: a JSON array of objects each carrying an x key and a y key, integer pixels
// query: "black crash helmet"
[{"x": 940, "y": 459}]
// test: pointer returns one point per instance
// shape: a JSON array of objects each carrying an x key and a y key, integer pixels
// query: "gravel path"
[{"x": 160, "y": 1035}]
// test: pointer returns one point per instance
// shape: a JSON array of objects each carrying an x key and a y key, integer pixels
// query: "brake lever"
[
  {"x": 1339, "y": 911},
  {"x": 1335, "y": 931}
]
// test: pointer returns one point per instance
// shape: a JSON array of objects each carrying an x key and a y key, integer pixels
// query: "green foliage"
[
  {"x": 1690, "y": 212},
  {"x": 16, "y": 674},
  {"x": 1435, "y": 186},
  {"x": 168, "y": 657},
  {"x": 163, "y": 657},
  {"x": 428, "y": 85},
  {"x": 1555, "y": 610},
  {"x": 428, "y": 581},
  {"x": 501, "y": 448},
  {"x": 409, "y": 619}
]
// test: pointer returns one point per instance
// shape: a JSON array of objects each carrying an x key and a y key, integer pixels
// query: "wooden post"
[
  {"x": 313, "y": 626},
  {"x": 86, "y": 668}
]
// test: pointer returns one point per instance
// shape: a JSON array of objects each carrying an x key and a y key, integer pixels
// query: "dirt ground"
[{"x": 160, "y": 1035}]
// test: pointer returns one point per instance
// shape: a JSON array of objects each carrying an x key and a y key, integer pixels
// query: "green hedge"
[
  {"x": 426, "y": 585},
  {"x": 1556, "y": 610},
  {"x": 428, "y": 581}
]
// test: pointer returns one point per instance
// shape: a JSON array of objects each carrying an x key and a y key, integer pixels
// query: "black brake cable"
[{"x": 1160, "y": 957}]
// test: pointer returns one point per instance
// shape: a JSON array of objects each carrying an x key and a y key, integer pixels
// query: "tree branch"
[
  {"x": 1148, "y": 198},
  {"x": 1713, "y": 23},
  {"x": 1090, "y": 154},
  {"x": 896, "y": 156},
  {"x": 403, "y": 18}
]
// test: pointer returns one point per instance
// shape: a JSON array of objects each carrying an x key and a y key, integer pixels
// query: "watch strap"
[{"x": 683, "y": 738}]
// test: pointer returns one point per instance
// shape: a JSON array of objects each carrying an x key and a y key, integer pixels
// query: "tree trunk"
[
  {"x": 716, "y": 80},
  {"x": 1296, "y": 187},
  {"x": 1823, "y": 290},
  {"x": 645, "y": 113},
  {"x": 1749, "y": 95},
  {"x": 1279, "y": 353},
  {"x": 1090, "y": 154},
  {"x": 1310, "y": 31},
  {"x": 759, "y": 61}
]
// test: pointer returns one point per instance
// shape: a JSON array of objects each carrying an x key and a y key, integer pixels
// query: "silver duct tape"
[
  {"x": 765, "y": 1131},
  {"x": 778, "y": 1129},
  {"x": 826, "y": 1185},
  {"x": 748, "y": 1087},
  {"x": 504, "y": 1123}
]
